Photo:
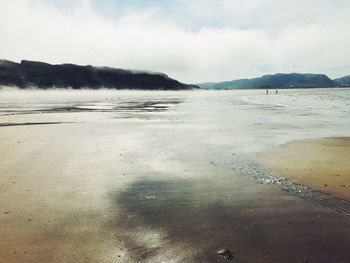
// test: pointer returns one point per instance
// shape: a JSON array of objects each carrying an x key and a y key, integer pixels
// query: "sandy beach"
[
  {"x": 137, "y": 176},
  {"x": 322, "y": 164}
]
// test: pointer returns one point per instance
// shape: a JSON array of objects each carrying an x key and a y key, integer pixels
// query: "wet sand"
[
  {"x": 158, "y": 177},
  {"x": 322, "y": 164}
]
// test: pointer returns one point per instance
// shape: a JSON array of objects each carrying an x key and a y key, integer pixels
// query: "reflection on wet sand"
[
  {"x": 256, "y": 225},
  {"x": 183, "y": 186}
]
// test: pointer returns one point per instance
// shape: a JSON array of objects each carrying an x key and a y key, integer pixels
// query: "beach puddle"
[
  {"x": 7, "y": 124},
  {"x": 113, "y": 106}
]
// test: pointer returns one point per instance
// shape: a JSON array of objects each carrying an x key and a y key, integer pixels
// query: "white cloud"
[{"x": 291, "y": 39}]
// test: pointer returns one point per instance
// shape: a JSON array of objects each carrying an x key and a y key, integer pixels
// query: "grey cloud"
[{"x": 278, "y": 36}]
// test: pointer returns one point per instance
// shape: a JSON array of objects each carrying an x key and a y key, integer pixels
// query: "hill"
[
  {"x": 343, "y": 82},
  {"x": 43, "y": 75},
  {"x": 292, "y": 80}
]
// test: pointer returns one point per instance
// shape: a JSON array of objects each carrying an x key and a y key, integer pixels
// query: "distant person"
[
  {"x": 276, "y": 91},
  {"x": 267, "y": 91}
]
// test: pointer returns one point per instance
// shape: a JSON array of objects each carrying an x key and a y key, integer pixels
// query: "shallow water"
[{"x": 138, "y": 176}]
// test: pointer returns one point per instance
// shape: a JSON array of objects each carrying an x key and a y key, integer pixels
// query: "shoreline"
[{"x": 321, "y": 164}]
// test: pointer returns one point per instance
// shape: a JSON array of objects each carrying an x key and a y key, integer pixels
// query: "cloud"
[{"x": 220, "y": 41}]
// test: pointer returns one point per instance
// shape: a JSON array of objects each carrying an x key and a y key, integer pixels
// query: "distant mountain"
[
  {"x": 43, "y": 75},
  {"x": 292, "y": 80},
  {"x": 343, "y": 82}
]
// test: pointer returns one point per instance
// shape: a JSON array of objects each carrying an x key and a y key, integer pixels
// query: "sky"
[{"x": 193, "y": 41}]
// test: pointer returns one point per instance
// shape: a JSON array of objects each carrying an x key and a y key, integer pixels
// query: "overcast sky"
[{"x": 193, "y": 41}]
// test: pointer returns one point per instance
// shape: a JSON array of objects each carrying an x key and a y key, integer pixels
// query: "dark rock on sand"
[{"x": 226, "y": 254}]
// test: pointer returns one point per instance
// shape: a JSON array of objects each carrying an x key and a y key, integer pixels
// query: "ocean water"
[
  {"x": 332, "y": 101},
  {"x": 257, "y": 120}
]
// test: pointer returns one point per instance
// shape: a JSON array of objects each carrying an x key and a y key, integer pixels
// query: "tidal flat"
[{"x": 161, "y": 176}]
